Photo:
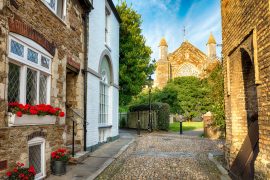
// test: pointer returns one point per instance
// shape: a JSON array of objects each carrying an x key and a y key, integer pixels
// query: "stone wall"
[
  {"x": 64, "y": 40},
  {"x": 14, "y": 143},
  {"x": 246, "y": 30}
]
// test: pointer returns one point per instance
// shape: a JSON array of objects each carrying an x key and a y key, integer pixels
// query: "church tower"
[
  {"x": 163, "y": 50},
  {"x": 211, "y": 47},
  {"x": 163, "y": 66}
]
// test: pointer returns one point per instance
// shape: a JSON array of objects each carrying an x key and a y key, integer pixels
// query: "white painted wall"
[{"x": 96, "y": 48}]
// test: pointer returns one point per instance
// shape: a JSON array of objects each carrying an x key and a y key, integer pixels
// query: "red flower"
[
  {"x": 15, "y": 170},
  {"x": 32, "y": 170},
  {"x": 20, "y": 164},
  {"x": 52, "y": 111},
  {"x": 8, "y": 174},
  {"x": 19, "y": 114},
  {"x": 26, "y": 178},
  {"x": 57, "y": 157},
  {"x": 21, "y": 175},
  {"x": 62, "y": 114},
  {"x": 53, "y": 154},
  {"x": 33, "y": 111}
]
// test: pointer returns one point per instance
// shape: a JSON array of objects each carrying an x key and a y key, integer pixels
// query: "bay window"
[{"x": 29, "y": 71}]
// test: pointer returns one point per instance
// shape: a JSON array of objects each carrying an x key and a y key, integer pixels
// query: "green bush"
[
  {"x": 162, "y": 110},
  {"x": 123, "y": 122}
]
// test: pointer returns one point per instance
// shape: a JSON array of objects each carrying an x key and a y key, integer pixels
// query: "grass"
[{"x": 187, "y": 126}]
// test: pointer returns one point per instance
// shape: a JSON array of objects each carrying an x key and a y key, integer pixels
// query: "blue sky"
[{"x": 166, "y": 18}]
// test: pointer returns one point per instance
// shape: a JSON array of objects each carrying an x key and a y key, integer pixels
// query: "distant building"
[
  {"x": 246, "y": 34},
  {"x": 187, "y": 60}
]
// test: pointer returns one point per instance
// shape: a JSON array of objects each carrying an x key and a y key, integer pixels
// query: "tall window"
[
  {"x": 29, "y": 72},
  {"x": 104, "y": 93},
  {"x": 107, "y": 14},
  {"x": 57, "y": 6}
]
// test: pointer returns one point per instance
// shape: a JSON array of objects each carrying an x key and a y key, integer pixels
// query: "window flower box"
[
  {"x": 14, "y": 120},
  {"x": 42, "y": 114}
]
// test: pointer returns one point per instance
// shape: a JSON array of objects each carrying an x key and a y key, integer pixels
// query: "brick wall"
[{"x": 245, "y": 26}]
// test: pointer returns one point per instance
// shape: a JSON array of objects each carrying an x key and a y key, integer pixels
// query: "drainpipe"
[{"x": 86, "y": 26}]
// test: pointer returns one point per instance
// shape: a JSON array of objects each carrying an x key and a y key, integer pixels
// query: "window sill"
[
  {"x": 104, "y": 126},
  {"x": 53, "y": 13},
  {"x": 108, "y": 47}
]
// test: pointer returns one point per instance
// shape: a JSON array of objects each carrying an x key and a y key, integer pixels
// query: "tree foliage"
[{"x": 135, "y": 56}]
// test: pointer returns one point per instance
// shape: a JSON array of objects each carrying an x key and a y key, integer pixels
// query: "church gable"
[
  {"x": 187, "y": 69},
  {"x": 187, "y": 53}
]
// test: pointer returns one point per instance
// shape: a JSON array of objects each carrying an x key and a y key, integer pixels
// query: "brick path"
[{"x": 165, "y": 156}]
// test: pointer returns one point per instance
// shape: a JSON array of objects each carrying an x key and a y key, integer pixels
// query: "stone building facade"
[
  {"x": 246, "y": 64},
  {"x": 42, "y": 54},
  {"x": 187, "y": 60}
]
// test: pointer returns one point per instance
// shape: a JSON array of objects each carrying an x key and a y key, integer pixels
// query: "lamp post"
[{"x": 150, "y": 82}]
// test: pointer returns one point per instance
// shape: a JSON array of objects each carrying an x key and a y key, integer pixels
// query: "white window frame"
[
  {"x": 24, "y": 64},
  {"x": 64, "y": 13},
  {"x": 39, "y": 141}
]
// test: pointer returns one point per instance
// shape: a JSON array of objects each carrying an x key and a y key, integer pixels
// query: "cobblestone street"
[{"x": 165, "y": 156}]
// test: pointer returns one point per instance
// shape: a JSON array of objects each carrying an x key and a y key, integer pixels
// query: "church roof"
[
  {"x": 163, "y": 42},
  {"x": 211, "y": 39}
]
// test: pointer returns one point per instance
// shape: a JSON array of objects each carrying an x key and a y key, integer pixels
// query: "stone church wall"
[{"x": 244, "y": 22}]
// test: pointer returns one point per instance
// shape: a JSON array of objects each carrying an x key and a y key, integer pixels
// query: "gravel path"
[{"x": 165, "y": 156}]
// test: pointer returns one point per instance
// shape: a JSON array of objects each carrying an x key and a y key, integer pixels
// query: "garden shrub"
[{"x": 162, "y": 110}]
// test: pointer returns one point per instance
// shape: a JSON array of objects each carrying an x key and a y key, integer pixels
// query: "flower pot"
[
  {"x": 26, "y": 120},
  {"x": 59, "y": 168}
]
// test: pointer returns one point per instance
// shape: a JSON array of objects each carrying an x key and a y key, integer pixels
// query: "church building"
[{"x": 187, "y": 60}]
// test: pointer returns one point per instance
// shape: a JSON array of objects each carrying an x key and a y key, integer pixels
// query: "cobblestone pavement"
[{"x": 165, "y": 156}]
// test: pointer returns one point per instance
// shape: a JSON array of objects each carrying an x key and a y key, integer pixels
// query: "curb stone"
[{"x": 222, "y": 170}]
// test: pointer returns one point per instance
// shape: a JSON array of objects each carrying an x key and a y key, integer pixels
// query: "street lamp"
[{"x": 150, "y": 83}]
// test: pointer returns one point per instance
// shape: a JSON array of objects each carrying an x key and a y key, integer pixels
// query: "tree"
[{"x": 135, "y": 56}]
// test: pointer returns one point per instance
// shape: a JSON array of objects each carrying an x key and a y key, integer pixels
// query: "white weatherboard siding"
[
  {"x": 96, "y": 49},
  {"x": 92, "y": 112}
]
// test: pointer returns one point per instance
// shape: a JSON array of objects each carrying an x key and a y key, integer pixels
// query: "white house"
[{"x": 102, "y": 74}]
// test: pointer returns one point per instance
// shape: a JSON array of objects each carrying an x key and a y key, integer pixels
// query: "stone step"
[{"x": 79, "y": 157}]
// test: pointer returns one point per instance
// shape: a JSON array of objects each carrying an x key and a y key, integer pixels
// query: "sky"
[{"x": 167, "y": 18}]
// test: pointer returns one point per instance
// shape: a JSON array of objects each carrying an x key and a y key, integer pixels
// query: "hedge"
[{"x": 162, "y": 110}]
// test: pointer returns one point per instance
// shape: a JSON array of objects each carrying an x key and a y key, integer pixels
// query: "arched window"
[
  {"x": 105, "y": 84},
  {"x": 29, "y": 71},
  {"x": 188, "y": 70}
]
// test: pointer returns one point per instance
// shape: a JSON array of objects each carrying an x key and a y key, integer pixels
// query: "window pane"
[
  {"x": 31, "y": 87},
  {"x": 16, "y": 48},
  {"x": 51, "y": 3},
  {"x": 13, "y": 83},
  {"x": 32, "y": 56},
  {"x": 35, "y": 157},
  {"x": 45, "y": 62},
  {"x": 42, "y": 89},
  {"x": 104, "y": 104}
]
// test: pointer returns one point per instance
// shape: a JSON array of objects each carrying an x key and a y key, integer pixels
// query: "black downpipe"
[
  {"x": 73, "y": 138},
  {"x": 86, "y": 24}
]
